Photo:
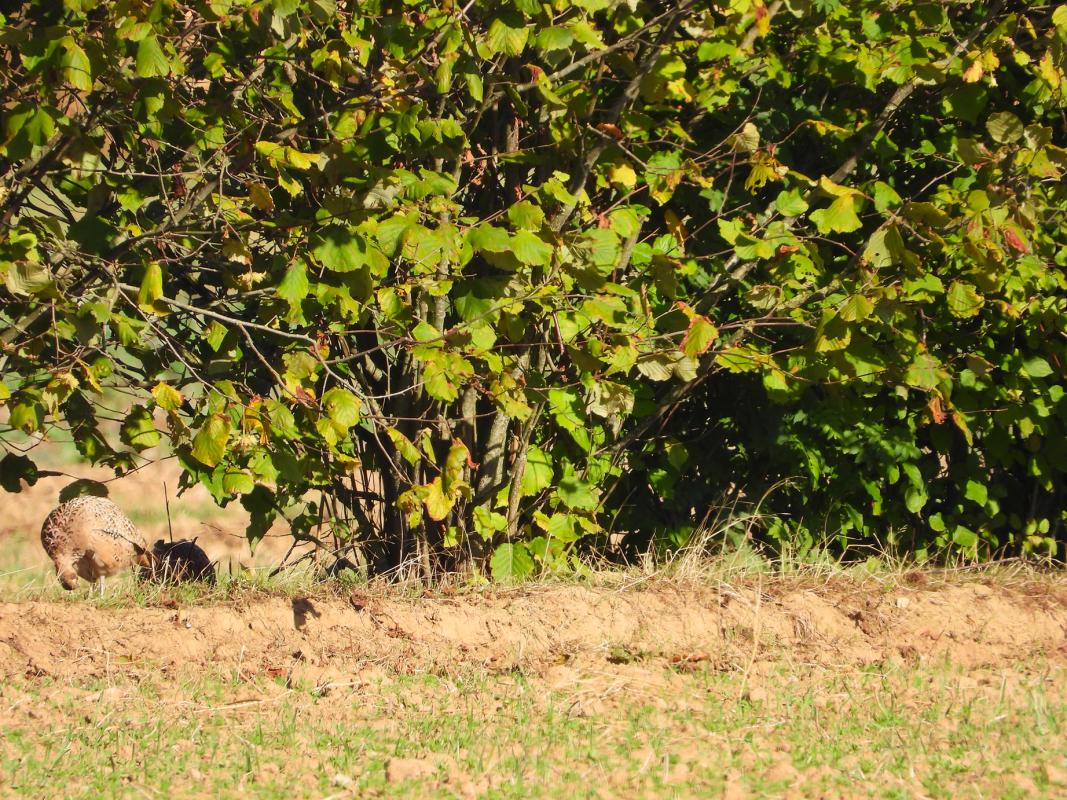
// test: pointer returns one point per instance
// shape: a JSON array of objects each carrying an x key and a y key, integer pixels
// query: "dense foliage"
[{"x": 498, "y": 278}]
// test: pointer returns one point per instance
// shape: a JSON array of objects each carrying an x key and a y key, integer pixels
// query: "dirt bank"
[{"x": 330, "y": 639}]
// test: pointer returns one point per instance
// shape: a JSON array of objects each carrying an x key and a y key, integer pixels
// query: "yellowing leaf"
[
  {"x": 167, "y": 397},
  {"x": 209, "y": 444},
  {"x": 963, "y": 300},
  {"x": 973, "y": 73},
  {"x": 408, "y": 451},
  {"x": 835, "y": 189},
  {"x": 622, "y": 175},
  {"x": 298, "y": 160},
  {"x": 235, "y": 250},
  {"x": 151, "y": 291},
  {"x": 675, "y": 226},
  {"x": 458, "y": 456},
  {"x": 437, "y": 502},
  {"x": 746, "y": 140},
  {"x": 503, "y": 38},
  {"x": 260, "y": 197},
  {"x": 839, "y": 217}
]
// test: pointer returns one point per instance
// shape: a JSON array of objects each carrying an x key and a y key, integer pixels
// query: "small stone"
[
  {"x": 1057, "y": 776},
  {"x": 340, "y": 779}
]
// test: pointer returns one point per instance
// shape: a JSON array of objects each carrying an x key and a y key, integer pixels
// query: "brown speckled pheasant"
[{"x": 90, "y": 537}]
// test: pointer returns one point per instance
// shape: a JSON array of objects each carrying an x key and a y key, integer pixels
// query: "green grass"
[
  {"x": 892, "y": 732},
  {"x": 19, "y": 583}
]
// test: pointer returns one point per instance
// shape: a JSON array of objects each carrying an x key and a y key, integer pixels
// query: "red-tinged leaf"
[
  {"x": 683, "y": 306},
  {"x": 614, "y": 131},
  {"x": 700, "y": 336},
  {"x": 1015, "y": 241},
  {"x": 937, "y": 413}
]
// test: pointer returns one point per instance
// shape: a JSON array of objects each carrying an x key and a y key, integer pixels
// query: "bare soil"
[{"x": 332, "y": 639}]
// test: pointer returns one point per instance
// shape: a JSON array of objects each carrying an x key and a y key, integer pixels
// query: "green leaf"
[
  {"x": 977, "y": 493},
  {"x": 442, "y": 375},
  {"x": 487, "y": 522},
  {"x": 209, "y": 444},
  {"x": 924, "y": 372},
  {"x": 963, "y": 300},
  {"x": 14, "y": 469},
  {"x": 81, "y": 488},
  {"x": 791, "y": 203},
  {"x": 601, "y": 247},
  {"x": 839, "y": 217},
  {"x": 965, "y": 537},
  {"x": 508, "y": 37},
  {"x": 577, "y": 493},
  {"x": 281, "y": 419},
  {"x": 885, "y": 196},
  {"x": 24, "y": 278},
  {"x": 1004, "y": 127},
  {"x": 511, "y": 561},
  {"x": 554, "y": 38},
  {"x": 559, "y": 527},
  {"x": 342, "y": 407},
  {"x": 1037, "y": 367},
  {"x": 25, "y": 416},
  {"x": 856, "y": 308},
  {"x": 294, "y": 284},
  {"x": 138, "y": 429},
  {"x": 486, "y": 238},
  {"x": 151, "y": 60},
  {"x": 77, "y": 71},
  {"x": 339, "y": 249},
  {"x": 915, "y": 499},
  {"x": 283, "y": 8},
  {"x": 237, "y": 481},
  {"x": 526, "y": 215},
  {"x": 474, "y": 85},
  {"x": 39, "y": 127},
  {"x": 538, "y": 473},
  {"x": 530, "y": 249}
]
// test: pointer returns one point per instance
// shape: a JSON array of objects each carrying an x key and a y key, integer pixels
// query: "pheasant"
[{"x": 90, "y": 537}]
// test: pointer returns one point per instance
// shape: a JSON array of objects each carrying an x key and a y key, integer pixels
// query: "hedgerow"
[{"x": 486, "y": 282}]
